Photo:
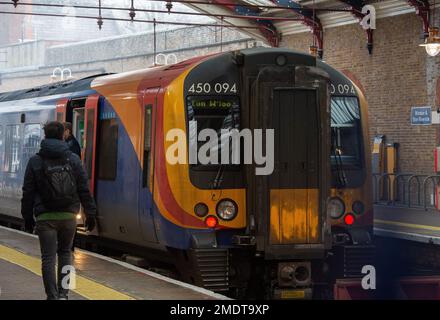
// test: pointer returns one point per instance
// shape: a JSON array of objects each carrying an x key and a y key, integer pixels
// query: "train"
[{"x": 289, "y": 233}]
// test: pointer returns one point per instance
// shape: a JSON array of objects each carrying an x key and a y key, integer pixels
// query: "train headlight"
[
  {"x": 358, "y": 207},
  {"x": 281, "y": 60},
  {"x": 201, "y": 209},
  {"x": 227, "y": 209},
  {"x": 336, "y": 208}
]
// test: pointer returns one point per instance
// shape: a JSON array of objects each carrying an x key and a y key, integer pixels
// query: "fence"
[{"x": 406, "y": 190}]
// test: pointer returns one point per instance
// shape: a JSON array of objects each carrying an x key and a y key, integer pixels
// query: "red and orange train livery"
[{"x": 225, "y": 227}]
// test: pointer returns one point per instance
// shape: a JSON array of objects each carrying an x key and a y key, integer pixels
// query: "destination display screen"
[{"x": 212, "y": 103}]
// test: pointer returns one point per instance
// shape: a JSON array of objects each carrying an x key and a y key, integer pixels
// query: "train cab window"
[
  {"x": 31, "y": 142},
  {"x": 216, "y": 113},
  {"x": 147, "y": 144},
  {"x": 12, "y": 149},
  {"x": 108, "y": 149},
  {"x": 346, "y": 132}
]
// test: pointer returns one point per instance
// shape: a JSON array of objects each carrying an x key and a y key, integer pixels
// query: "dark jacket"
[
  {"x": 31, "y": 204},
  {"x": 73, "y": 145}
]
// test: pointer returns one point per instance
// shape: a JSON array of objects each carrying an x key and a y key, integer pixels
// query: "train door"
[
  {"x": 90, "y": 133},
  {"x": 290, "y": 202},
  {"x": 293, "y": 186},
  {"x": 73, "y": 111},
  {"x": 78, "y": 125},
  {"x": 61, "y": 110},
  {"x": 146, "y": 205}
]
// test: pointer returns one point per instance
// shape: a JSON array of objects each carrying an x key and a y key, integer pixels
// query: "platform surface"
[
  {"x": 97, "y": 277},
  {"x": 412, "y": 224}
]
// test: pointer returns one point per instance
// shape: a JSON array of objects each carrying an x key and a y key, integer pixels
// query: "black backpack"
[{"x": 57, "y": 186}]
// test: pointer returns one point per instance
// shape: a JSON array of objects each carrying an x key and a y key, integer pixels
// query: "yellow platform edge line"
[
  {"x": 409, "y": 225},
  {"x": 85, "y": 287}
]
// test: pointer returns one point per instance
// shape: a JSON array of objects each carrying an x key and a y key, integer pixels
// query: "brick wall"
[{"x": 397, "y": 76}]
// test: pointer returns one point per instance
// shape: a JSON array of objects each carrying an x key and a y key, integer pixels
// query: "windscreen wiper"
[
  {"x": 342, "y": 178},
  {"x": 219, "y": 176}
]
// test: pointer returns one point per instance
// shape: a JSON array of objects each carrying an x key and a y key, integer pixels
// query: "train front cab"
[
  {"x": 350, "y": 209},
  {"x": 289, "y": 205},
  {"x": 286, "y": 236}
]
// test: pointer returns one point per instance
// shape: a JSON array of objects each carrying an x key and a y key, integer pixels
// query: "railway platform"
[
  {"x": 404, "y": 207},
  {"x": 97, "y": 277},
  {"x": 413, "y": 224}
]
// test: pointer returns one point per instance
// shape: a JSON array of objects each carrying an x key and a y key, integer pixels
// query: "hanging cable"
[
  {"x": 314, "y": 21},
  {"x": 154, "y": 41},
  {"x": 313, "y": 49},
  {"x": 221, "y": 34},
  {"x": 132, "y": 12},
  {"x": 235, "y": 16},
  {"x": 193, "y": 24},
  {"x": 100, "y": 21},
  {"x": 169, "y": 6}
]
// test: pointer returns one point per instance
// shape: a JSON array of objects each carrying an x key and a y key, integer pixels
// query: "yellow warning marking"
[
  {"x": 87, "y": 288},
  {"x": 409, "y": 225},
  {"x": 293, "y": 294}
]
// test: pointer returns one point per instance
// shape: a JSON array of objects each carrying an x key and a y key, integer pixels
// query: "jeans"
[{"x": 56, "y": 237}]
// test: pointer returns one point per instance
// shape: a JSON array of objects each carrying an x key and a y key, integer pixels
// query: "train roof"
[
  {"x": 85, "y": 84},
  {"x": 51, "y": 89}
]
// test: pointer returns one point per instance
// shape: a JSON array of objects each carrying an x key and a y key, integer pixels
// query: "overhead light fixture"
[
  {"x": 432, "y": 42},
  {"x": 313, "y": 50}
]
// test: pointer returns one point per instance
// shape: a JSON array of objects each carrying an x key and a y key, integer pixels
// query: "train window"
[
  {"x": 12, "y": 149},
  {"x": 147, "y": 144},
  {"x": 216, "y": 113},
  {"x": 346, "y": 132},
  {"x": 1, "y": 145},
  {"x": 60, "y": 116},
  {"x": 108, "y": 150},
  {"x": 90, "y": 141},
  {"x": 32, "y": 138}
]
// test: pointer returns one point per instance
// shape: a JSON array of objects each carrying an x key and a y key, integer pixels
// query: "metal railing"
[{"x": 405, "y": 189}]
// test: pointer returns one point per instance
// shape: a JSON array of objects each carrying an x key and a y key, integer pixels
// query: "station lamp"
[
  {"x": 432, "y": 42},
  {"x": 313, "y": 50}
]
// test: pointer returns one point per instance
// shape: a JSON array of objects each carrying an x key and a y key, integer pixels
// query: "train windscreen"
[
  {"x": 216, "y": 113},
  {"x": 346, "y": 136}
]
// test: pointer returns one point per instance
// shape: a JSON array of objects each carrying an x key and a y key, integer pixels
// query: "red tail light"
[
  {"x": 349, "y": 219},
  {"x": 211, "y": 221}
]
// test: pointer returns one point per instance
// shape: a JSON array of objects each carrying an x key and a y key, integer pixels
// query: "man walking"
[
  {"x": 55, "y": 184},
  {"x": 70, "y": 139}
]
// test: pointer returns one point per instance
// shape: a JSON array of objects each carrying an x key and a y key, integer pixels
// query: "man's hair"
[
  {"x": 68, "y": 126},
  {"x": 54, "y": 130}
]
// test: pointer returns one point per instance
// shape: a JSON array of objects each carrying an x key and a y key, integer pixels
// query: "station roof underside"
[{"x": 286, "y": 17}]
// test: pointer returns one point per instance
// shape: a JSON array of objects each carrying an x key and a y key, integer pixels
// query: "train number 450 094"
[{"x": 219, "y": 87}]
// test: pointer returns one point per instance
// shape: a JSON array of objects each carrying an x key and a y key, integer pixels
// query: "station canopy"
[{"x": 270, "y": 20}]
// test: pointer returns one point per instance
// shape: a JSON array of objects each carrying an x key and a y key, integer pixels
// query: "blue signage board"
[{"x": 421, "y": 116}]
